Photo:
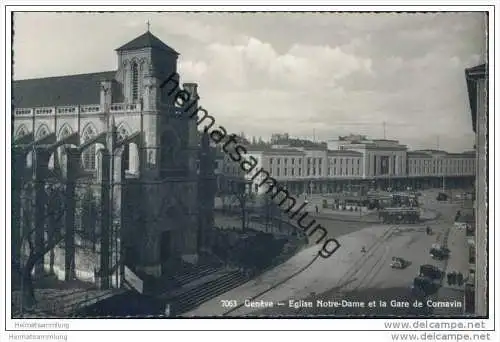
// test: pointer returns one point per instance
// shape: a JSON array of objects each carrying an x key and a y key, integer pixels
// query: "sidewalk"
[
  {"x": 317, "y": 200},
  {"x": 458, "y": 262},
  {"x": 459, "y": 250}
]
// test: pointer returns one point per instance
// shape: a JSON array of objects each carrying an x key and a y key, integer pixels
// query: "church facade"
[{"x": 156, "y": 197}]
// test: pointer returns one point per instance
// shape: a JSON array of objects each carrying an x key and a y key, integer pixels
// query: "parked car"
[
  {"x": 423, "y": 286},
  {"x": 399, "y": 263},
  {"x": 430, "y": 271}
]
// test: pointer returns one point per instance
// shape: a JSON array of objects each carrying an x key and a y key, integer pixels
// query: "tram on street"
[{"x": 399, "y": 215}]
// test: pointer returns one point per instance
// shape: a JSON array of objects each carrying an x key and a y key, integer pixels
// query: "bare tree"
[
  {"x": 272, "y": 213},
  {"x": 243, "y": 197},
  {"x": 35, "y": 242}
]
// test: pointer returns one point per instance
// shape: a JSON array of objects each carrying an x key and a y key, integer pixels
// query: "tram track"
[
  {"x": 350, "y": 282},
  {"x": 374, "y": 270},
  {"x": 349, "y": 277}
]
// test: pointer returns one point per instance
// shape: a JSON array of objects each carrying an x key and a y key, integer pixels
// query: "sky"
[{"x": 312, "y": 75}]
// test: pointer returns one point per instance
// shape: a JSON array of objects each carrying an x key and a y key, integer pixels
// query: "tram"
[{"x": 399, "y": 215}]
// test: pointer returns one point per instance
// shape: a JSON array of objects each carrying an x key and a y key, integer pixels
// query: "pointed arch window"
[
  {"x": 122, "y": 134},
  {"x": 135, "y": 81},
  {"x": 21, "y": 132},
  {"x": 89, "y": 155},
  {"x": 43, "y": 131},
  {"x": 65, "y": 132}
]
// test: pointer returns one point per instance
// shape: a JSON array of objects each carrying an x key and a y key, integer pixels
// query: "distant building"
[
  {"x": 381, "y": 158},
  {"x": 352, "y": 162},
  {"x": 229, "y": 175},
  {"x": 477, "y": 87},
  {"x": 277, "y": 138}
]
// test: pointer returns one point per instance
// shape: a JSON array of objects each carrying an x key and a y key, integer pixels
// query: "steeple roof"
[{"x": 146, "y": 40}]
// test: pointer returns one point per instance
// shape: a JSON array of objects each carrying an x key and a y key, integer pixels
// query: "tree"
[
  {"x": 87, "y": 212},
  {"x": 43, "y": 227},
  {"x": 243, "y": 197},
  {"x": 34, "y": 244},
  {"x": 272, "y": 212}
]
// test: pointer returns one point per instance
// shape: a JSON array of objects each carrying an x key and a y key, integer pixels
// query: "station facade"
[{"x": 352, "y": 162}]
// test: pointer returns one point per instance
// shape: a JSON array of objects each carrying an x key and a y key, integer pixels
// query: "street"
[{"x": 369, "y": 276}]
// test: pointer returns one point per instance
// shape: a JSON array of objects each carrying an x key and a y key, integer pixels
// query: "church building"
[{"x": 158, "y": 211}]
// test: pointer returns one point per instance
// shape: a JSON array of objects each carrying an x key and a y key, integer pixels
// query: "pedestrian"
[
  {"x": 453, "y": 278},
  {"x": 317, "y": 209},
  {"x": 448, "y": 278},
  {"x": 460, "y": 278}
]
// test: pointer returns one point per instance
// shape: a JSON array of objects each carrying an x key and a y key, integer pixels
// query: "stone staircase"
[
  {"x": 215, "y": 284},
  {"x": 190, "y": 273},
  {"x": 62, "y": 302}
]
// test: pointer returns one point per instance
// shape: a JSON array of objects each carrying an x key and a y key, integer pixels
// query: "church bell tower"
[{"x": 143, "y": 64}]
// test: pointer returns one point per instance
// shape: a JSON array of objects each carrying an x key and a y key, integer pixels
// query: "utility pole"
[
  {"x": 443, "y": 180},
  {"x": 383, "y": 125}
]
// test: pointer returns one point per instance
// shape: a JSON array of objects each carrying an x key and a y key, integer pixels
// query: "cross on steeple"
[{"x": 149, "y": 24}]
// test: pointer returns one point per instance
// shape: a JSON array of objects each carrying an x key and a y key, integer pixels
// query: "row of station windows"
[
  {"x": 350, "y": 166},
  {"x": 312, "y": 160}
]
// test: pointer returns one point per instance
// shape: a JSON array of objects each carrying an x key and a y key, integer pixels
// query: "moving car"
[
  {"x": 430, "y": 271},
  {"x": 460, "y": 225},
  {"x": 423, "y": 286},
  {"x": 399, "y": 263}
]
